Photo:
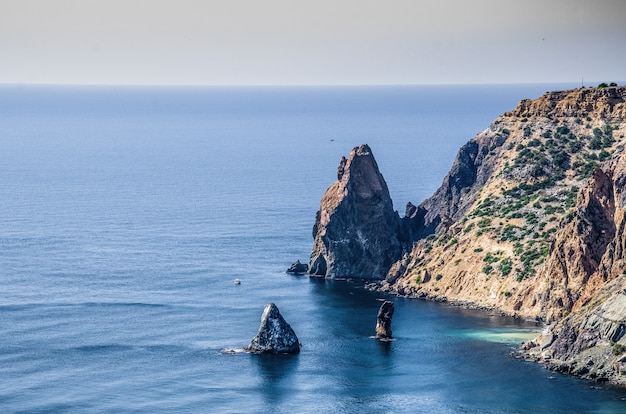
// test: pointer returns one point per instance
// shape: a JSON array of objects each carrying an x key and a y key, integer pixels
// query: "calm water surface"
[{"x": 126, "y": 214}]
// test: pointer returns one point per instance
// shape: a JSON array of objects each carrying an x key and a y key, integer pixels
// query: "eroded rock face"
[
  {"x": 589, "y": 343},
  {"x": 607, "y": 102},
  {"x": 585, "y": 275},
  {"x": 451, "y": 201},
  {"x": 383, "y": 320},
  {"x": 275, "y": 335},
  {"x": 357, "y": 234},
  {"x": 574, "y": 273},
  {"x": 531, "y": 220}
]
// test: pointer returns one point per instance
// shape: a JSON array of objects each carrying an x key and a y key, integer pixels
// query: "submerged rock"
[
  {"x": 383, "y": 320},
  {"x": 298, "y": 268},
  {"x": 357, "y": 233},
  {"x": 275, "y": 335}
]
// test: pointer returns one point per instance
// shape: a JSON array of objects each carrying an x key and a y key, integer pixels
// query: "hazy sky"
[{"x": 311, "y": 41}]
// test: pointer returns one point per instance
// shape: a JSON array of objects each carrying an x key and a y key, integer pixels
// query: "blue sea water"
[{"x": 127, "y": 213}]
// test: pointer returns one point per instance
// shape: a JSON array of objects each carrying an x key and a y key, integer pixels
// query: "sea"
[{"x": 127, "y": 214}]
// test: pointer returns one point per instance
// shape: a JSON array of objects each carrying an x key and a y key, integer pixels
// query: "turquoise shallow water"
[{"x": 127, "y": 213}]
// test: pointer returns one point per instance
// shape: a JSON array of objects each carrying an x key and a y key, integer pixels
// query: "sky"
[{"x": 306, "y": 42}]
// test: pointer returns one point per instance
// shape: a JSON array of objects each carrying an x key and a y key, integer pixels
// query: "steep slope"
[
  {"x": 587, "y": 271},
  {"x": 490, "y": 234},
  {"x": 530, "y": 221},
  {"x": 589, "y": 343}
]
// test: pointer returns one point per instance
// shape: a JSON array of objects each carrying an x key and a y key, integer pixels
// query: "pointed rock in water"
[
  {"x": 275, "y": 336},
  {"x": 357, "y": 233},
  {"x": 383, "y": 320},
  {"x": 298, "y": 268}
]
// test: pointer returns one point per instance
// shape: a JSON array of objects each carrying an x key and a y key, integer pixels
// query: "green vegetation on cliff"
[
  {"x": 511, "y": 192},
  {"x": 531, "y": 220}
]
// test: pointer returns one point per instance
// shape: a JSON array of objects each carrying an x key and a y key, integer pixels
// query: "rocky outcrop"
[
  {"x": 573, "y": 272},
  {"x": 607, "y": 103},
  {"x": 383, "y": 320},
  {"x": 298, "y": 268},
  {"x": 529, "y": 218},
  {"x": 458, "y": 191},
  {"x": 275, "y": 336},
  {"x": 590, "y": 343},
  {"x": 357, "y": 234}
]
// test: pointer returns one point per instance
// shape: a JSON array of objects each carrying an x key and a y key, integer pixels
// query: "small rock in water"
[
  {"x": 298, "y": 268},
  {"x": 275, "y": 336},
  {"x": 232, "y": 351},
  {"x": 383, "y": 320}
]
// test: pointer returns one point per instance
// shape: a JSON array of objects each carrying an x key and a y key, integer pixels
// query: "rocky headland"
[{"x": 529, "y": 221}]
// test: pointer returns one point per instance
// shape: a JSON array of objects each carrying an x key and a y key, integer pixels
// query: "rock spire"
[
  {"x": 383, "y": 320},
  {"x": 275, "y": 335},
  {"x": 357, "y": 234}
]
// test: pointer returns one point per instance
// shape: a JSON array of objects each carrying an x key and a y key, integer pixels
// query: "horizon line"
[{"x": 288, "y": 85}]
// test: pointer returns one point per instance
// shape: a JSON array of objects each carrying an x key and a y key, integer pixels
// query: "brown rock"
[{"x": 357, "y": 233}]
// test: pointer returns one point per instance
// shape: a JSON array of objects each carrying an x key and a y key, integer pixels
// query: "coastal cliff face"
[
  {"x": 587, "y": 275},
  {"x": 589, "y": 343},
  {"x": 357, "y": 234},
  {"x": 453, "y": 199},
  {"x": 530, "y": 221}
]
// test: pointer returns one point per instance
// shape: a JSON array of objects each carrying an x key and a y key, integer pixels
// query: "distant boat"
[{"x": 237, "y": 281}]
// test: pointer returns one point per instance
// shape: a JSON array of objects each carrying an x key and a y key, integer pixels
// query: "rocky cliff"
[
  {"x": 357, "y": 234},
  {"x": 586, "y": 275},
  {"x": 529, "y": 221},
  {"x": 589, "y": 343}
]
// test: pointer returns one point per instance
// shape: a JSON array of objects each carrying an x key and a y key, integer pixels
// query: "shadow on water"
[
  {"x": 347, "y": 353},
  {"x": 385, "y": 347},
  {"x": 275, "y": 373},
  {"x": 349, "y": 308}
]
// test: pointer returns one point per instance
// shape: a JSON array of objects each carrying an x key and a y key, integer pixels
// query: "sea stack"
[
  {"x": 383, "y": 320},
  {"x": 357, "y": 233},
  {"x": 275, "y": 335}
]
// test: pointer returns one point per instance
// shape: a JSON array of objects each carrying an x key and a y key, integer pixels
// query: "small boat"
[{"x": 237, "y": 281}]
